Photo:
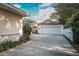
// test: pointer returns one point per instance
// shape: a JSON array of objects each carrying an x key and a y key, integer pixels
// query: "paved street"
[{"x": 43, "y": 45}]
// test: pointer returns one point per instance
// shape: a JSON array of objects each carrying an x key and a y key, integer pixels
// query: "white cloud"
[
  {"x": 45, "y": 4},
  {"x": 44, "y": 14},
  {"x": 17, "y": 5}
]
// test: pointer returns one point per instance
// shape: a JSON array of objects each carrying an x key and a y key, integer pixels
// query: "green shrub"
[
  {"x": 35, "y": 32},
  {"x": 74, "y": 23},
  {"x": 27, "y": 30},
  {"x": 26, "y": 33},
  {"x": 24, "y": 38},
  {"x": 5, "y": 45},
  {"x": 75, "y": 27}
]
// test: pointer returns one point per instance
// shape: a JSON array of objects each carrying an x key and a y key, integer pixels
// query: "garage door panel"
[{"x": 50, "y": 30}]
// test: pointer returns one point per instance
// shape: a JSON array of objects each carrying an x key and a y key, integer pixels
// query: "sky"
[
  {"x": 38, "y": 11},
  {"x": 31, "y": 8}
]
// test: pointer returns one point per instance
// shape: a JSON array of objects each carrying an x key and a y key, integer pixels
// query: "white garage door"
[{"x": 50, "y": 31}]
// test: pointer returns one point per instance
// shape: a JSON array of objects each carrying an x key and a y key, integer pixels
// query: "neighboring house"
[
  {"x": 32, "y": 23},
  {"x": 50, "y": 27},
  {"x": 28, "y": 20},
  {"x": 10, "y": 22}
]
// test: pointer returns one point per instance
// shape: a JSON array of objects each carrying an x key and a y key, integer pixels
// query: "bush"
[
  {"x": 27, "y": 30},
  {"x": 23, "y": 39},
  {"x": 74, "y": 23},
  {"x": 35, "y": 32},
  {"x": 5, "y": 45},
  {"x": 75, "y": 27}
]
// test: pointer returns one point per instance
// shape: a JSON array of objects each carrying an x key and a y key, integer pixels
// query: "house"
[
  {"x": 50, "y": 27},
  {"x": 10, "y": 22},
  {"x": 32, "y": 24},
  {"x": 28, "y": 20}
]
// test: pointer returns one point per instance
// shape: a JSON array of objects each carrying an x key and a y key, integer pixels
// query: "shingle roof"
[{"x": 48, "y": 22}]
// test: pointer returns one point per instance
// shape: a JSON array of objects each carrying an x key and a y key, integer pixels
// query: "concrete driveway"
[{"x": 43, "y": 45}]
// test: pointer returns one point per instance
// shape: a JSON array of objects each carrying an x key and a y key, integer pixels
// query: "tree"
[
  {"x": 74, "y": 23},
  {"x": 54, "y": 15},
  {"x": 69, "y": 16},
  {"x": 65, "y": 10},
  {"x": 57, "y": 16}
]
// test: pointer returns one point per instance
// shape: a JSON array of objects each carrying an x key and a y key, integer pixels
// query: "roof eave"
[{"x": 13, "y": 9}]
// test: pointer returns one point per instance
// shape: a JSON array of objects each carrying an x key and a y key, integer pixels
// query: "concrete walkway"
[{"x": 43, "y": 45}]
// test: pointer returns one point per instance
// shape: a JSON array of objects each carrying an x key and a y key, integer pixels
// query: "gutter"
[{"x": 11, "y": 8}]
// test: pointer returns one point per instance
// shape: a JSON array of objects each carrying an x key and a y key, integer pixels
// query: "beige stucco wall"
[{"x": 10, "y": 25}]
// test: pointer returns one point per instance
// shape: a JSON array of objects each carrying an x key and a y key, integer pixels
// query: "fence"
[{"x": 68, "y": 33}]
